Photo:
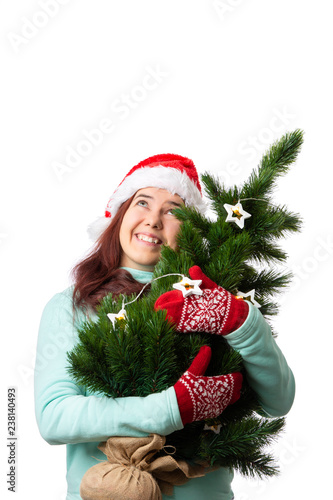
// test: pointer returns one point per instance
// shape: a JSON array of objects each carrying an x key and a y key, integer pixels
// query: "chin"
[
  {"x": 149, "y": 264},
  {"x": 149, "y": 260}
]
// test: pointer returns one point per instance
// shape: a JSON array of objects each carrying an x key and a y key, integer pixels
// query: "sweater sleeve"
[
  {"x": 65, "y": 414},
  {"x": 267, "y": 370}
]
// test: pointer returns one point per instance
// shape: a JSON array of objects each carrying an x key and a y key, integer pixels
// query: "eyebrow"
[{"x": 174, "y": 203}]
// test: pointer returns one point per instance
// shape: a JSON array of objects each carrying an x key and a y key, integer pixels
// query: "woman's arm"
[
  {"x": 65, "y": 414},
  {"x": 267, "y": 370}
]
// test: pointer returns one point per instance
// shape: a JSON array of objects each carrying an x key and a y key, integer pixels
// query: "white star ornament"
[
  {"x": 250, "y": 297},
  {"x": 188, "y": 287},
  {"x": 237, "y": 214},
  {"x": 119, "y": 316}
]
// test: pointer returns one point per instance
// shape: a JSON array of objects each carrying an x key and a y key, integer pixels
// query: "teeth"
[{"x": 146, "y": 238}]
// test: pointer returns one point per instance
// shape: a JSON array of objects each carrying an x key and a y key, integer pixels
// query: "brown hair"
[{"x": 99, "y": 273}]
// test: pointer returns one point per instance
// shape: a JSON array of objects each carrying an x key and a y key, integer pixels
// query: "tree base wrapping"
[{"x": 132, "y": 471}]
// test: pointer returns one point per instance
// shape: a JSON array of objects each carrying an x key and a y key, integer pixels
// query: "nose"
[{"x": 153, "y": 219}]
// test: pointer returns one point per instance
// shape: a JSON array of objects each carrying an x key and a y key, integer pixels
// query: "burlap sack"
[{"x": 132, "y": 473}]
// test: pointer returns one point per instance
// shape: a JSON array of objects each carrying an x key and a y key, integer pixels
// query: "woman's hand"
[
  {"x": 202, "y": 397},
  {"x": 215, "y": 311}
]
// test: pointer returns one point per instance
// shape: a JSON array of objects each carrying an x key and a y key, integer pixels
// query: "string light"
[
  {"x": 186, "y": 286},
  {"x": 149, "y": 283}
]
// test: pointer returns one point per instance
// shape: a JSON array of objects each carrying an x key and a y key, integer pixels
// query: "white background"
[{"x": 229, "y": 80}]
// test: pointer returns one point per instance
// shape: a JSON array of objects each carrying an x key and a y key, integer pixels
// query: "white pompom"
[{"x": 96, "y": 228}]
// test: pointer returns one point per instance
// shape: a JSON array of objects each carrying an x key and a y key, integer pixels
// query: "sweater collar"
[{"x": 140, "y": 276}]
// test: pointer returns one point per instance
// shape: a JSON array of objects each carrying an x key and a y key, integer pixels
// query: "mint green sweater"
[{"x": 67, "y": 414}]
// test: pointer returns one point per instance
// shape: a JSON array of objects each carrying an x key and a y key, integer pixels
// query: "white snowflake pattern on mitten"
[
  {"x": 204, "y": 312},
  {"x": 209, "y": 395},
  {"x": 200, "y": 397}
]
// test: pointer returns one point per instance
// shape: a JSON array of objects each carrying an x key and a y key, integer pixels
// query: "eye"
[{"x": 142, "y": 203}]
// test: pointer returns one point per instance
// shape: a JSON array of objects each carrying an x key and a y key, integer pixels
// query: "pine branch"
[
  {"x": 122, "y": 356},
  {"x": 159, "y": 358},
  {"x": 255, "y": 465},
  {"x": 86, "y": 361},
  {"x": 239, "y": 444},
  {"x": 189, "y": 346},
  {"x": 191, "y": 242},
  {"x": 217, "y": 193},
  {"x": 225, "y": 360},
  {"x": 88, "y": 373},
  {"x": 227, "y": 264},
  {"x": 192, "y": 215},
  {"x": 274, "y": 163},
  {"x": 171, "y": 261},
  {"x": 221, "y": 239},
  {"x": 266, "y": 283}
]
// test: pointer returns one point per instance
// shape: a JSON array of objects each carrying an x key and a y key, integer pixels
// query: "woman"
[{"x": 138, "y": 221}]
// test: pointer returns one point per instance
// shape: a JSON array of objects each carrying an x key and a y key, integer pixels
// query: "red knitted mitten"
[
  {"x": 202, "y": 397},
  {"x": 215, "y": 311}
]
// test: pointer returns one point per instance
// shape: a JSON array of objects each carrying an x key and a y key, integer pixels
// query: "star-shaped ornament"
[
  {"x": 237, "y": 214},
  {"x": 214, "y": 428},
  {"x": 121, "y": 316},
  {"x": 188, "y": 287},
  {"x": 249, "y": 296}
]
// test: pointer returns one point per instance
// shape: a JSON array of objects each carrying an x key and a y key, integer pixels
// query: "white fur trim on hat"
[
  {"x": 171, "y": 179},
  {"x": 97, "y": 227}
]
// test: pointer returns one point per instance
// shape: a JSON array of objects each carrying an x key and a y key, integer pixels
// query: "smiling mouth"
[{"x": 148, "y": 239}]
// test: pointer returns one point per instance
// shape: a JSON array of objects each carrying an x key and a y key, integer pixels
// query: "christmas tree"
[{"x": 140, "y": 352}]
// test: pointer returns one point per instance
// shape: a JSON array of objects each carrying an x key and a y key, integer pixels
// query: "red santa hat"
[{"x": 174, "y": 173}]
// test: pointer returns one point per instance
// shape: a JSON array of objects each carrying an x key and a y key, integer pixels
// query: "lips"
[{"x": 148, "y": 238}]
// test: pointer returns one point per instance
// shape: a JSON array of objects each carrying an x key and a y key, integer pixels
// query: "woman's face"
[{"x": 147, "y": 225}]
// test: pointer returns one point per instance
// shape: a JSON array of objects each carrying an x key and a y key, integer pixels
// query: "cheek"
[
  {"x": 124, "y": 232},
  {"x": 127, "y": 226}
]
